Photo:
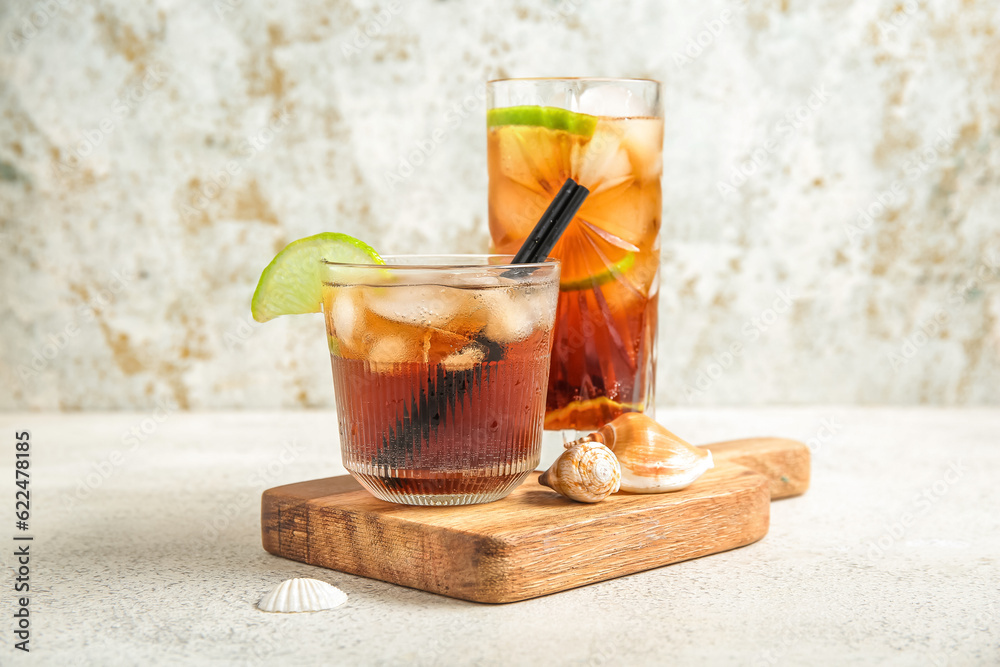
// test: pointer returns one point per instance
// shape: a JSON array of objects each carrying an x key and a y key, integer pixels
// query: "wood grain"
[
  {"x": 533, "y": 542},
  {"x": 786, "y": 463}
]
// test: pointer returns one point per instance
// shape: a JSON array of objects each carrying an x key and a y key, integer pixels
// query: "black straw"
[
  {"x": 561, "y": 222},
  {"x": 549, "y": 228},
  {"x": 436, "y": 401},
  {"x": 528, "y": 253}
]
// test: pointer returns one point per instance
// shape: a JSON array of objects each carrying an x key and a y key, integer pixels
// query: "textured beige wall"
[{"x": 128, "y": 254}]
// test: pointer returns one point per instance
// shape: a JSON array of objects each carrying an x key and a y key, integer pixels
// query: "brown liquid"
[{"x": 446, "y": 427}]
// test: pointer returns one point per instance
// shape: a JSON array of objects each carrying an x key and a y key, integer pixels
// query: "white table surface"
[{"x": 128, "y": 566}]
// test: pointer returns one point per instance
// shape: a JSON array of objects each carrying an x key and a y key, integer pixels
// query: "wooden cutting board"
[{"x": 533, "y": 542}]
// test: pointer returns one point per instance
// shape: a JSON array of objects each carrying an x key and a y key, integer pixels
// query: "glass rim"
[
  {"x": 595, "y": 79},
  {"x": 457, "y": 262}
]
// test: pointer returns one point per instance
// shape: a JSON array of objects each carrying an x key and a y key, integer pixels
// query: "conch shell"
[
  {"x": 586, "y": 471},
  {"x": 653, "y": 459}
]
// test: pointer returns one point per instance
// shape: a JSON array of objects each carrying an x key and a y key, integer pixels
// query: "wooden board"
[
  {"x": 533, "y": 542},
  {"x": 784, "y": 462}
]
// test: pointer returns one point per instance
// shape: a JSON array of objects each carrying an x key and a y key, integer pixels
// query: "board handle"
[{"x": 784, "y": 462}]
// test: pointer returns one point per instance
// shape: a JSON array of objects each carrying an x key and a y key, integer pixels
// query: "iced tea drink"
[
  {"x": 440, "y": 367},
  {"x": 607, "y": 135}
]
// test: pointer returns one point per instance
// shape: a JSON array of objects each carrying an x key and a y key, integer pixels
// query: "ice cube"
[
  {"x": 644, "y": 142},
  {"x": 510, "y": 317},
  {"x": 344, "y": 315},
  {"x": 543, "y": 307},
  {"x": 390, "y": 350},
  {"x": 613, "y": 102},
  {"x": 344, "y": 308},
  {"x": 486, "y": 277},
  {"x": 437, "y": 344},
  {"x": 602, "y": 163},
  {"x": 464, "y": 359},
  {"x": 425, "y": 305}
]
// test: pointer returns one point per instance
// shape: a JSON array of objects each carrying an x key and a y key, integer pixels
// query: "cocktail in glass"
[
  {"x": 607, "y": 134},
  {"x": 440, "y": 365}
]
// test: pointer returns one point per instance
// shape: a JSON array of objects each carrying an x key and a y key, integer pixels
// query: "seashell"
[
  {"x": 653, "y": 459},
  {"x": 587, "y": 472},
  {"x": 295, "y": 595}
]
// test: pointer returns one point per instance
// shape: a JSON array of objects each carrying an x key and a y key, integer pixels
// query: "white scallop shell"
[{"x": 296, "y": 595}]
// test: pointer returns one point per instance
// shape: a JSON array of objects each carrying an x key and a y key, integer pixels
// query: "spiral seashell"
[
  {"x": 653, "y": 459},
  {"x": 295, "y": 595},
  {"x": 587, "y": 472}
]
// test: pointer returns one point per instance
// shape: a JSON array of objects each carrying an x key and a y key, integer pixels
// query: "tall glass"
[
  {"x": 440, "y": 365},
  {"x": 607, "y": 134}
]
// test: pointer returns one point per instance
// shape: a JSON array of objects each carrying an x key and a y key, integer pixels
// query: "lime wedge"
[
  {"x": 598, "y": 279},
  {"x": 553, "y": 118},
  {"x": 291, "y": 283}
]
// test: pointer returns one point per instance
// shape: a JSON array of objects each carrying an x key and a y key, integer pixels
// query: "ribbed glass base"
[{"x": 443, "y": 490}]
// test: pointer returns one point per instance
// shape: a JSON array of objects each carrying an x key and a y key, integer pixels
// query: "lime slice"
[
  {"x": 291, "y": 283},
  {"x": 587, "y": 414},
  {"x": 598, "y": 279},
  {"x": 553, "y": 118}
]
